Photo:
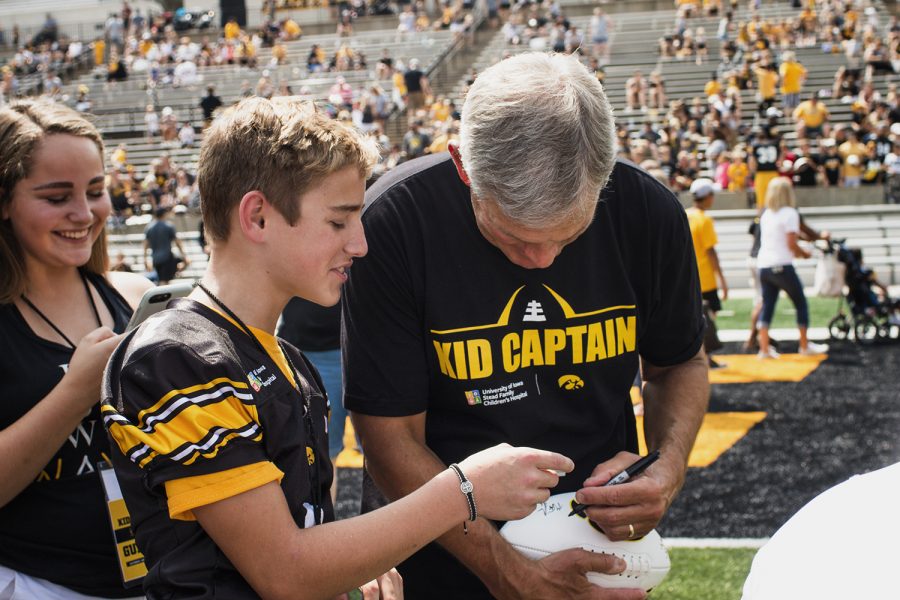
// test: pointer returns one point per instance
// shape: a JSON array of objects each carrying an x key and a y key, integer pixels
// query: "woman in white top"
[{"x": 779, "y": 231}]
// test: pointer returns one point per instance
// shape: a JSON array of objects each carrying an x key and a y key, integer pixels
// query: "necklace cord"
[
  {"x": 52, "y": 325},
  {"x": 301, "y": 388}
]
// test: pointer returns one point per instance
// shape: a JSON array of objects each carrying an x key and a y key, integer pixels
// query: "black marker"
[{"x": 636, "y": 469}]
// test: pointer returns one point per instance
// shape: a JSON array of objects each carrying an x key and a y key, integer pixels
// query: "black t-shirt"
[
  {"x": 310, "y": 326},
  {"x": 766, "y": 155},
  {"x": 805, "y": 174},
  {"x": 209, "y": 104},
  {"x": 189, "y": 394},
  {"x": 883, "y": 147},
  {"x": 58, "y": 527},
  {"x": 831, "y": 163},
  {"x": 437, "y": 319},
  {"x": 413, "y": 80}
]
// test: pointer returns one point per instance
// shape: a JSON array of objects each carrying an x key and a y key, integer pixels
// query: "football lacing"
[{"x": 636, "y": 565}]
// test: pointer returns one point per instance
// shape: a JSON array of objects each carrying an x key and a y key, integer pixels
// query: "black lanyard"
[
  {"x": 53, "y": 325},
  {"x": 302, "y": 387}
]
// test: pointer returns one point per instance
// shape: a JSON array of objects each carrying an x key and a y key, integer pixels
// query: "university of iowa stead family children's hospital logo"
[{"x": 256, "y": 382}]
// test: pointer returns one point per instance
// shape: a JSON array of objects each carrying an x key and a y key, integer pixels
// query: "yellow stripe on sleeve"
[
  {"x": 161, "y": 404},
  {"x": 188, "y": 493},
  {"x": 190, "y": 425}
]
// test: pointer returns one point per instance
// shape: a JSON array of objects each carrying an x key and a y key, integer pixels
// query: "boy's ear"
[
  {"x": 251, "y": 213},
  {"x": 453, "y": 148}
]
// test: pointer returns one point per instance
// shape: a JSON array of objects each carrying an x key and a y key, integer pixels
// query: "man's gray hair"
[{"x": 537, "y": 138}]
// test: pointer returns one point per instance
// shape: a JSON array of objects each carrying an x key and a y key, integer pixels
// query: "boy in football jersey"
[{"x": 219, "y": 427}]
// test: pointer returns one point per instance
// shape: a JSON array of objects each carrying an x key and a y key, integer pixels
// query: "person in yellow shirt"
[
  {"x": 247, "y": 55},
  {"x": 703, "y": 233},
  {"x": 442, "y": 141},
  {"x": 279, "y": 53},
  {"x": 440, "y": 110},
  {"x": 119, "y": 157},
  {"x": 232, "y": 29},
  {"x": 766, "y": 82},
  {"x": 399, "y": 82},
  {"x": 738, "y": 171},
  {"x": 291, "y": 29},
  {"x": 146, "y": 45},
  {"x": 854, "y": 153},
  {"x": 811, "y": 118},
  {"x": 99, "y": 47},
  {"x": 712, "y": 87},
  {"x": 792, "y": 76}
]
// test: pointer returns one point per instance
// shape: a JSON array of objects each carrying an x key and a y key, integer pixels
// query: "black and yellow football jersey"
[{"x": 199, "y": 412}]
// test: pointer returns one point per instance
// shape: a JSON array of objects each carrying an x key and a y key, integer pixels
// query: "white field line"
[
  {"x": 740, "y": 335},
  {"x": 673, "y": 542}
]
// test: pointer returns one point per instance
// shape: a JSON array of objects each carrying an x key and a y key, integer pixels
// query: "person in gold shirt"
[
  {"x": 232, "y": 29},
  {"x": 440, "y": 110},
  {"x": 712, "y": 87},
  {"x": 792, "y": 76},
  {"x": 737, "y": 173},
  {"x": 279, "y": 53},
  {"x": 853, "y": 152},
  {"x": 291, "y": 29},
  {"x": 811, "y": 117},
  {"x": 766, "y": 81},
  {"x": 703, "y": 233},
  {"x": 99, "y": 47}
]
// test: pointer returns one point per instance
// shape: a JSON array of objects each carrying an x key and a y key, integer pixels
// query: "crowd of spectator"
[
  {"x": 39, "y": 62},
  {"x": 788, "y": 131},
  {"x": 165, "y": 184}
]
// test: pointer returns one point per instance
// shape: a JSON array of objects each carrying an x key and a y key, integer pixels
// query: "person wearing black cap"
[{"x": 703, "y": 233}]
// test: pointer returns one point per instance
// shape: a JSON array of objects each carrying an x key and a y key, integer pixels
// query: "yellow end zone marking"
[
  {"x": 746, "y": 368},
  {"x": 635, "y": 395},
  {"x": 350, "y": 457},
  {"x": 718, "y": 433}
]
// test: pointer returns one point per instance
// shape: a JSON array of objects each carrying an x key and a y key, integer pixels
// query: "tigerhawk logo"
[{"x": 570, "y": 382}]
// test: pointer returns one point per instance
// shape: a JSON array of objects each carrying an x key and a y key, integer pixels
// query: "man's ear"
[
  {"x": 453, "y": 148},
  {"x": 251, "y": 213}
]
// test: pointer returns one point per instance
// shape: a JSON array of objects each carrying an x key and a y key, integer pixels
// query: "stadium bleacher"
[{"x": 118, "y": 108}]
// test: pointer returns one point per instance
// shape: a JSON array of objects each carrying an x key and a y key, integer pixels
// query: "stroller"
[{"x": 870, "y": 319}]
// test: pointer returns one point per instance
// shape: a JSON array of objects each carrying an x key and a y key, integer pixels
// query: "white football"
[{"x": 549, "y": 529}]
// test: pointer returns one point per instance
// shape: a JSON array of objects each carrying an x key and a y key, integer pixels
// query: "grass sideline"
[
  {"x": 736, "y": 313},
  {"x": 705, "y": 574}
]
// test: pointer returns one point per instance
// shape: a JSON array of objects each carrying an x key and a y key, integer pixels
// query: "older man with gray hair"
[{"x": 512, "y": 290}]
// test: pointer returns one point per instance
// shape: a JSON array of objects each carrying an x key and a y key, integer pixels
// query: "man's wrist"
[{"x": 510, "y": 571}]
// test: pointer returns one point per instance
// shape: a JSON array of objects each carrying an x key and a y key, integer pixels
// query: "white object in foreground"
[
  {"x": 549, "y": 529},
  {"x": 842, "y": 544}
]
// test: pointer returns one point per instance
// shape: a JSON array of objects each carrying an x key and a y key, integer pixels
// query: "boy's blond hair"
[{"x": 281, "y": 147}]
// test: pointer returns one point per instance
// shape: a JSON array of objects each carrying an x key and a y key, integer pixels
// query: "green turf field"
[
  {"x": 736, "y": 313},
  {"x": 705, "y": 574}
]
